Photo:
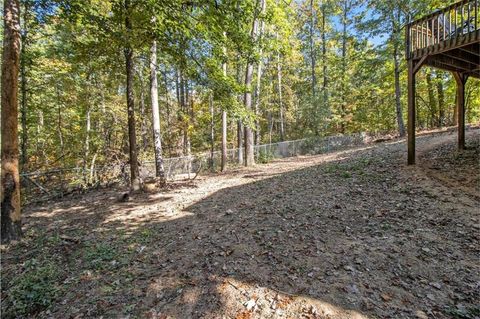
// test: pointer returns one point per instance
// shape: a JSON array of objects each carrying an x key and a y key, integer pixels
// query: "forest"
[
  {"x": 280, "y": 70},
  {"x": 95, "y": 91}
]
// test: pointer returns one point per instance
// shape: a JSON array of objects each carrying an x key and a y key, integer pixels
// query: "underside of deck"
[
  {"x": 461, "y": 54},
  {"x": 448, "y": 39}
]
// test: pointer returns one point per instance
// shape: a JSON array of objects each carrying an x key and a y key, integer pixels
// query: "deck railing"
[{"x": 453, "y": 21}]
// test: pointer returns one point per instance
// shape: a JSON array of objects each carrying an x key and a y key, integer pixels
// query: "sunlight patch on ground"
[{"x": 266, "y": 302}]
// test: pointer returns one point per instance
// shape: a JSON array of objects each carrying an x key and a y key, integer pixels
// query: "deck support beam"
[
  {"x": 461, "y": 79},
  {"x": 412, "y": 68}
]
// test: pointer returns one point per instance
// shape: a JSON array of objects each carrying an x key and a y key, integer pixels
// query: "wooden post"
[
  {"x": 411, "y": 113},
  {"x": 460, "y": 79}
]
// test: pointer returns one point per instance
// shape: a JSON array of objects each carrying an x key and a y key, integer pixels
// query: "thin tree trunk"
[
  {"x": 312, "y": 50},
  {"x": 10, "y": 179},
  {"x": 224, "y": 120},
  {"x": 212, "y": 132},
  {"x": 441, "y": 100},
  {"x": 258, "y": 90},
  {"x": 135, "y": 182},
  {"x": 143, "y": 117},
  {"x": 157, "y": 138},
  {"x": 398, "y": 93},
  {"x": 23, "y": 73},
  {"x": 87, "y": 144},
  {"x": 431, "y": 100},
  {"x": 313, "y": 66},
  {"x": 344, "y": 67},
  {"x": 249, "y": 149},
  {"x": 167, "y": 106},
  {"x": 324, "y": 62},
  {"x": 280, "y": 99},
  {"x": 188, "y": 113},
  {"x": 59, "y": 121},
  {"x": 239, "y": 125},
  {"x": 455, "y": 117}
]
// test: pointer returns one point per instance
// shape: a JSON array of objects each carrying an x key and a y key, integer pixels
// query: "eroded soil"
[{"x": 352, "y": 234}]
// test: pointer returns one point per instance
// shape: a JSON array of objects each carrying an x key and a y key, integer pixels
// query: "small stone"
[
  {"x": 421, "y": 315},
  {"x": 348, "y": 268},
  {"x": 250, "y": 304}
]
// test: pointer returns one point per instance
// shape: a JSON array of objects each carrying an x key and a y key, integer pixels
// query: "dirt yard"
[{"x": 351, "y": 234}]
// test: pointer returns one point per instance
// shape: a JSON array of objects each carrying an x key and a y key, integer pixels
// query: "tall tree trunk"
[
  {"x": 396, "y": 62},
  {"x": 88, "y": 125},
  {"x": 313, "y": 65},
  {"x": 249, "y": 149},
  {"x": 224, "y": 119},
  {"x": 157, "y": 138},
  {"x": 239, "y": 123},
  {"x": 212, "y": 132},
  {"x": 167, "y": 106},
  {"x": 143, "y": 117},
  {"x": 59, "y": 120},
  {"x": 135, "y": 182},
  {"x": 344, "y": 66},
  {"x": 258, "y": 90},
  {"x": 324, "y": 62},
  {"x": 23, "y": 85},
  {"x": 441, "y": 100},
  {"x": 188, "y": 113},
  {"x": 10, "y": 179},
  {"x": 280, "y": 99},
  {"x": 431, "y": 100}
]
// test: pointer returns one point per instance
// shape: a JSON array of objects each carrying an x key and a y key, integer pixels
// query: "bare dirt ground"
[{"x": 351, "y": 234}]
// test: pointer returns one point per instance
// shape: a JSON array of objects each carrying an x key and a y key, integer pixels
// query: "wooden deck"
[{"x": 447, "y": 39}]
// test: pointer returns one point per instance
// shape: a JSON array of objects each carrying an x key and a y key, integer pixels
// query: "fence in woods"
[{"x": 44, "y": 185}]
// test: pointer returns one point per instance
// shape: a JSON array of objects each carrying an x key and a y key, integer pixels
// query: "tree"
[
  {"x": 249, "y": 150},
  {"x": 157, "y": 142},
  {"x": 135, "y": 183},
  {"x": 10, "y": 179}
]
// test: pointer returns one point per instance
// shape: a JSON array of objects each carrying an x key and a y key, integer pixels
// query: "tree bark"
[
  {"x": 249, "y": 149},
  {"x": 88, "y": 125},
  {"x": 143, "y": 117},
  {"x": 212, "y": 132},
  {"x": 10, "y": 179},
  {"x": 258, "y": 90},
  {"x": 280, "y": 99},
  {"x": 431, "y": 100},
  {"x": 224, "y": 119},
  {"x": 396, "y": 62},
  {"x": 313, "y": 67},
  {"x": 23, "y": 85},
  {"x": 239, "y": 124},
  {"x": 135, "y": 182},
  {"x": 441, "y": 100},
  {"x": 157, "y": 139},
  {"x": 312, "y": 51},
  {"x": 324, "y": 61},
  {"x": 344, "y": 66}
]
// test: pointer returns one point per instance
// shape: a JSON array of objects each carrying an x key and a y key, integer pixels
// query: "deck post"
[
  {"x": 411, "y": 113},
  {"x": 461, "y": 80}
]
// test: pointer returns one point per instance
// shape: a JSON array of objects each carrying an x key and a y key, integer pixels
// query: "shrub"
[{"x": 33, "y": 290}]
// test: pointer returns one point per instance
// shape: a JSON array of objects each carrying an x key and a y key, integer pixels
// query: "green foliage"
[
  {"x": 334, "y": 80},
  {"x": 265, "y": 157},
  {"x": 33, "y": 290},
  {"x": 469, "y": 313},
  {"x": 99, "y": 256}
]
